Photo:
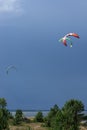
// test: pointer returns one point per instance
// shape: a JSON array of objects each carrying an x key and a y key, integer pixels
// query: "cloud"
[{"x": 10, "y": 6}]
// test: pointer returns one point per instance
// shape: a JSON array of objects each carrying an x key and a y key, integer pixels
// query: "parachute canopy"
[
  {"x": 66, "y": 38},
  {"x": 9, "y": 68}
]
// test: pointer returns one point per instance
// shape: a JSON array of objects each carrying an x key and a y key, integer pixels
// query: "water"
[{"x": 30, "y": 113}]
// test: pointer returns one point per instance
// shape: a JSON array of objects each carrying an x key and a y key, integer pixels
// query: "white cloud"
[{"x": 10, "y": 6}]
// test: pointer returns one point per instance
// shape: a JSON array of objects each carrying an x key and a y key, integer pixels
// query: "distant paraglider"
[
  {"x": 66, "y": 38},
  {"x": 10, "y": 67}
]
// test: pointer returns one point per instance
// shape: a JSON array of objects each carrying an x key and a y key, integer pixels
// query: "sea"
[{"x": 30, "y": 113}]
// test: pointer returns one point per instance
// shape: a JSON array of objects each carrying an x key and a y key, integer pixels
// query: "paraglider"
[
  {"x": 9, "y": 68},
  {"x": 66, "y": 38}
]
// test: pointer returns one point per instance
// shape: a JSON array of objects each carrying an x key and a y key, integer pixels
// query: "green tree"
[
  {"x": 66, "y": 118},
  {"x": 73, "y": 108},
  {"x": 49, "y": 120},
  {"x": 3, "y": 103},
  {"x": 58, "y": 122},
  {"x": 4, "y": 115},
  {"x": 18, "y": 117},
  {"x": 39, "y": 117}
]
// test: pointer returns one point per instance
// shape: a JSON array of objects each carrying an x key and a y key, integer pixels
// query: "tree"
[
  {"x": 3, "y": 103},
  {"x": 73, "y": 108},
  {"x": 18, "y": 117},
  {"x": 66, "y": 118},
  {"x": 4, "y": 115},
  {"x": 58, "y": 121},
  {"x": 39, "y": 117},
  {"x": 49, "y": 120}
]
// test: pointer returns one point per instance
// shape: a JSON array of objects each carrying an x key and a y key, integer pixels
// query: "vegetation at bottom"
[{"x": 69, "y": 117}]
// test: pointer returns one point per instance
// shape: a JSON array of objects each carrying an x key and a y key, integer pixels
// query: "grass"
[
  {"x": 28, "y": 126},
  {"x": 34, "y": 126},
  {"x": 31, "y": 125}
]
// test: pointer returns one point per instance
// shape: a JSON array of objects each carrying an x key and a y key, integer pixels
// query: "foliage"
[
  {"x": 10, "y": 115},
  {"x": 73, "y": 108},
  {"x": 18, "y": 117},
  {"x": 67, "y": 118},
  {"x": 26, "y": 120},
  {"x": 3, "y": 103},
  {"x": 39, "y": 117},
  {"x": 51, "y": 116},
  {"x": 4, "y": 115}
]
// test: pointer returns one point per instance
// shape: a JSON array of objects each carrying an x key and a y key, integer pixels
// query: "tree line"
[{"x": 68, "y": 117}]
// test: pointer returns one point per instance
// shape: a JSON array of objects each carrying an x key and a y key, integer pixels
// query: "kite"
[
  {"x": 9, "y": 68},
  {"x": 66, "y": 38},
  {"x": 72, "y": 34}
]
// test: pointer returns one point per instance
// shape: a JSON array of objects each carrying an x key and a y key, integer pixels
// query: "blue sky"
[{"x": 47, "y": 73}]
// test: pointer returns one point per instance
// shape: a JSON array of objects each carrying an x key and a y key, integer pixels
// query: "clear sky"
[{"x": 47, "y": 73}]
